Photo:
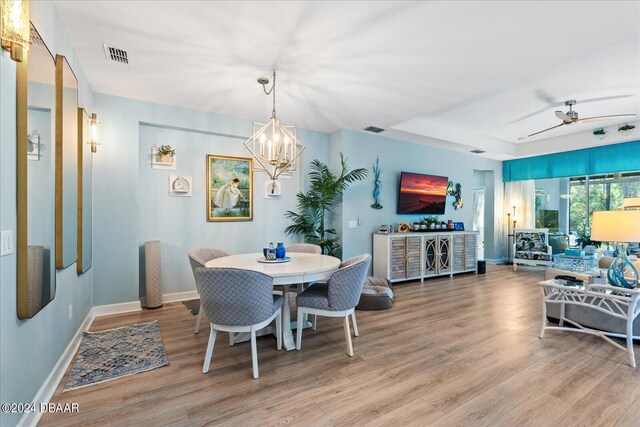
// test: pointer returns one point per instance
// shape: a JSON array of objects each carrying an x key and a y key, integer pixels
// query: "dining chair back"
[
  {"x": 306, "y": 248},
  {"x": 198, "y": 257},
  {"x": 236, "y": 300},
  {"x": 337, "y": 297},
  {"x": 345, "y": 285}
]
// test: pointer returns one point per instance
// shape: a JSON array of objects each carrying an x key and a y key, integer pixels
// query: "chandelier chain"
[{"x": 268, "y": 92}]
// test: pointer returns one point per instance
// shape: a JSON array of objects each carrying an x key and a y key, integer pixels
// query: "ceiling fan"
[{"x": 571, "y": 117}]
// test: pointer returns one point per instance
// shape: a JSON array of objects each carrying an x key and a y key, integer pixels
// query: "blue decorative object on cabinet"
[
  {"x": 280, "y": 251},
  {"x": 377, "y": 185}
]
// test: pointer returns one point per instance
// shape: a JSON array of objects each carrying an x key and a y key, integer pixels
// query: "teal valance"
[{"x": 624, "y": 157}]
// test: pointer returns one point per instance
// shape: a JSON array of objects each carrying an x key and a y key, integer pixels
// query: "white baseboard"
[
  {"x": 49, "y": 386},
  {"x": 176, "y": 297},
  {"x": 124, "y": 307}
]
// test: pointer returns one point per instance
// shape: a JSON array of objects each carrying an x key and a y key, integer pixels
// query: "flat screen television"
[{"x": 422, "y": 194}]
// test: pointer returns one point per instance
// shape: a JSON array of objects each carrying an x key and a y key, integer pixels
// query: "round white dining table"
[{"x": 302, "y": 268}]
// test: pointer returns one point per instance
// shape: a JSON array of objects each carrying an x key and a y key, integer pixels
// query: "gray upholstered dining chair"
[
  {"x": 344, "y": 263},
  {"x": 236, "y": 300},
  {"x": 198, "y": 257},
  {"x": 305, "y": 248},
  {"x": 336, "y": 298}
]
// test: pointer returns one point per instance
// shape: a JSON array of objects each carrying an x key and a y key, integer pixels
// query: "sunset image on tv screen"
[{"x": 422, "y": 194}]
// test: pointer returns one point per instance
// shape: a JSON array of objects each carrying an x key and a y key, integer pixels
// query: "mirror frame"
[
  {"x": 21, "y": 189},
  {"x": 22, "y": 227},
  {"x": 60, "y": 159},
  {"x": 84, "y": 131}
]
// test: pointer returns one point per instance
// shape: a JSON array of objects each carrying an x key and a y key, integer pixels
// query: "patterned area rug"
[{"x": 108, "y": 355}]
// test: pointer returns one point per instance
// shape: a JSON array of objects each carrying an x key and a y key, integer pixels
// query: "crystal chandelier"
[{"x": 274, "y": 146}]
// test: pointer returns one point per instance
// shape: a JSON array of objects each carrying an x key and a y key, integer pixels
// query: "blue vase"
[{"x": 280, "y": 251}]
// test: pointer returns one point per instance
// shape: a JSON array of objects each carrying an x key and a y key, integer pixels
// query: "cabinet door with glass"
[
  {"x": 444, "y": 254},
  {"x": 430, "y": 255}
]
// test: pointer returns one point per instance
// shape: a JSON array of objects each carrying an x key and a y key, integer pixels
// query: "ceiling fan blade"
[
  {"x": 535, "y": 113},
  {"x": 562, "y": 116},
  {"x": 605, "y": 117},
  {"x": 545, "y": 96},
  {"x": 552, "y": 127},
  {"x": 602, "y": 98}
]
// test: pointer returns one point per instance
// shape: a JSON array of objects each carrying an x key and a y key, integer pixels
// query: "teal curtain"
[{"x": 623, "y": 157}]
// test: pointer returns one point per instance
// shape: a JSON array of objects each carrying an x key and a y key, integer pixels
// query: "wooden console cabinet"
[{"x": 411, "y": 256}]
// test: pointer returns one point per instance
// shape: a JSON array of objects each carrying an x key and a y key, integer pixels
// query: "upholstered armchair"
[{"x": 531, "y": 247}]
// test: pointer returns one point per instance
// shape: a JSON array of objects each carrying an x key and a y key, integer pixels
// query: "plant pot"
[{"x": 164, "y": 158}]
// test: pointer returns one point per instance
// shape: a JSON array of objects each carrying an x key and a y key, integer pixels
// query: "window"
[{"x": 599, "y": 193}]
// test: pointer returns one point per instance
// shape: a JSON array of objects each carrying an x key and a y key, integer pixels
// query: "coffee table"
[{"x": 610, "y": 301}]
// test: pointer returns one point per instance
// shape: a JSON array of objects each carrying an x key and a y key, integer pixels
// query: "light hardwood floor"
[{"x": 462, "y": 351}]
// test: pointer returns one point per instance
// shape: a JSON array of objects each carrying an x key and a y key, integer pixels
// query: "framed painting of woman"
[{"x": 229, "y": 188}]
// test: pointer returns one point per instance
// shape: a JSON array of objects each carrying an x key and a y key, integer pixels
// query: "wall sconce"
[
  {"x": 94, "y": 133},
  {"x": 14, "y": 27}
]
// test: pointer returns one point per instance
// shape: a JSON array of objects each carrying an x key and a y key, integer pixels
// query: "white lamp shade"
[{"x": 616, "y": 226}]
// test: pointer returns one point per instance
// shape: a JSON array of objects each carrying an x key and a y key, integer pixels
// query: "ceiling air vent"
[
  {"x": 116, "y": 55},
  {"x": 374, "y": 129},
  {"x": 477, "y": 151}
]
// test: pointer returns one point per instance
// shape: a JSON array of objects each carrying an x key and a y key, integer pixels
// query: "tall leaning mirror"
[
  {"x": 35, "y": 111},
  {"x": 66, "y": 164},
  {"x": 85, "y": 134}
]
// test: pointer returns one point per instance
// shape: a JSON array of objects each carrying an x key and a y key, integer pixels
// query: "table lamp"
[
  {"x": 631, "y": 203},
  {"x": 619, "y": 227}
]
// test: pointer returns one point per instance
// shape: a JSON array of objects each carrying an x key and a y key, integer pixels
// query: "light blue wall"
[
  {"x": 397, "y": 156},
  {"x": 132, "y": 205},
  {"x": 29, "y": 349},
  {"x": 180, "y": 222}
]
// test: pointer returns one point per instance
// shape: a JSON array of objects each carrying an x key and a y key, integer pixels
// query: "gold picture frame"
[{"x": 229, "y": 188}]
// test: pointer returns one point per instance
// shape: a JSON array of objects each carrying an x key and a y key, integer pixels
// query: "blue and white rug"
[{"x": 115, "y": 353}]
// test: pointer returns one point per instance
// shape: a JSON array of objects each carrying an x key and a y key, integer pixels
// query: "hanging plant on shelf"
[
  {"x": 165, "y": 153},
  {"x": 377, "y": 184}
]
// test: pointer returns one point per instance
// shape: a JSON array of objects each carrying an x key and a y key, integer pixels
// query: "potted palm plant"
[{"x": 314, "y": 207}]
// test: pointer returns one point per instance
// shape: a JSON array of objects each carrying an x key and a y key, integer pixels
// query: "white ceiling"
[{"x": 460, "y": 75}]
